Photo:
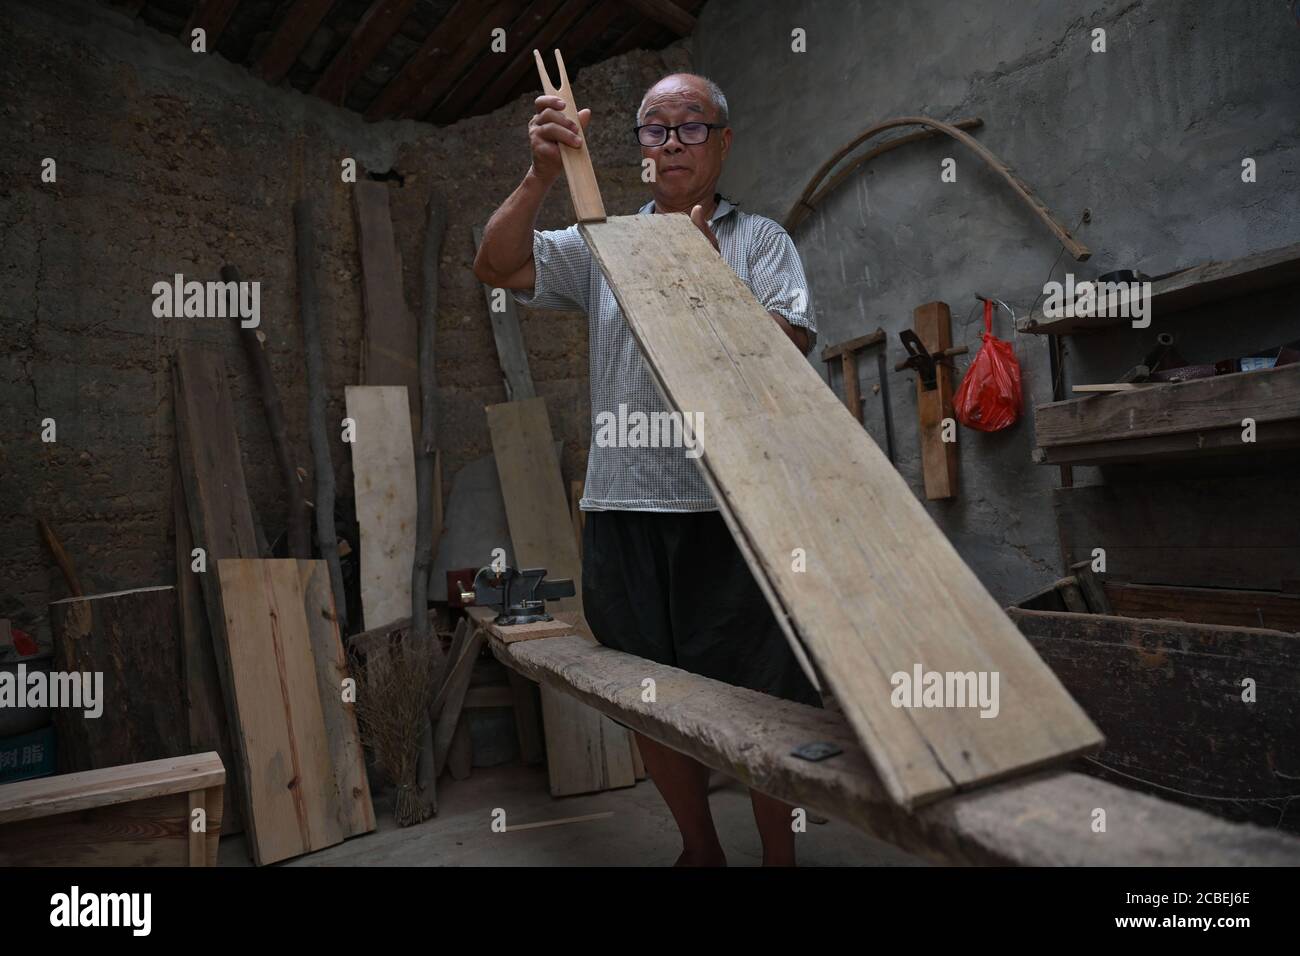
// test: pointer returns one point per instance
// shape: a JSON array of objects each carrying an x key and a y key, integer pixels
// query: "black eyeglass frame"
[{"x": 669, "y": 130}]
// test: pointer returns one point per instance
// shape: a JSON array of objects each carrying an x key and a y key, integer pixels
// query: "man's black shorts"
[{"x": 674, "y": 588}]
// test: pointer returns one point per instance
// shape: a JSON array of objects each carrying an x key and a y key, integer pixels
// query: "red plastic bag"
[{"x": 989, "y": 396}]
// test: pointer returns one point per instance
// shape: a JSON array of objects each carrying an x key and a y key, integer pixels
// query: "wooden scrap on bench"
[{"x": 139, "y": 814}]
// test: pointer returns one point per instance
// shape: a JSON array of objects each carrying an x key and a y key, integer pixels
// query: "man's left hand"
[{"x": 702, "y": 223}]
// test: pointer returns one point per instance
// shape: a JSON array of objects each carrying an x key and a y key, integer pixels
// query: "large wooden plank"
[
  {"x": 293, "y": 805},
  {"x": 383, "y": 467},
  {"x": 511, "y": 353},
  {"x": 585, "y": 752},
  {"x": 1169, "y": 697},
  {"x": 1206, "y": 532},
  {"x": 356, "y": 813},
  {"x": 128, "y": 640},
  {"x": 390, "y": 352},
  {"x": 884, "y": 592},
  {"x": 1203, "y": 404},
  {"x": 1042, "y": 819}
]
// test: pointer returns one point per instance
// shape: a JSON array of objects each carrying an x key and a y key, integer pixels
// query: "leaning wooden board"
[
  {"x": 356, "y": 813},
  {"x": 883, "y": 590},
  {"x": 293, "y": 805},
  {"x": 585, "y": 752},
  {"x": 220, "y": 519},
  {"x": 389, "y": 355},
  {"x": 383, "y": 466}
]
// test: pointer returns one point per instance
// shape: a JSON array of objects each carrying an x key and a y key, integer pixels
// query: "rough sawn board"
[{"x": 883, "y": 590}]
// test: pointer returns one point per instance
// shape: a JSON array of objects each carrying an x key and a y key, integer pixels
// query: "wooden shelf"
[
  {"x": 1179, "y": 419},
  {"x": 1190, "y": 288}
]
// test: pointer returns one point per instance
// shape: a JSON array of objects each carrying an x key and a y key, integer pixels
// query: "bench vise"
[{"x": 518, "y": 596}]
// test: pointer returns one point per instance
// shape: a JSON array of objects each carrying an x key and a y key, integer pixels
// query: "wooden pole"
[
  {"x": 254, "y": 341},
  {"x": 304, "y": 215},
  {"x": 426, "y": 451},
  {"x": 426, "y": 462}
]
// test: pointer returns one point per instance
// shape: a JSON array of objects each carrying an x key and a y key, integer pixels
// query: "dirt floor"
[{"x": 639, "y": 831}]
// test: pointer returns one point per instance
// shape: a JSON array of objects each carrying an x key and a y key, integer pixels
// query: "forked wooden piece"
[{"x": 583, "y": 188}]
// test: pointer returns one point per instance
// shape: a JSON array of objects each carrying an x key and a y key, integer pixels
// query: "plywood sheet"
[
  {"x": 880, "y": 591},
  {"x": 383, "y": 468}
]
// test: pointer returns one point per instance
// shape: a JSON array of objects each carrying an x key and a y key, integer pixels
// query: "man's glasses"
[{"x": 688, "y": 134}]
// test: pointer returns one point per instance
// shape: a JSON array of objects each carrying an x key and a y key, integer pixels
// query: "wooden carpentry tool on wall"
[
  {"x": 930, "y": 352},
  {"x": 847, "y": 353},
  {"x": 714, "y": 350}
]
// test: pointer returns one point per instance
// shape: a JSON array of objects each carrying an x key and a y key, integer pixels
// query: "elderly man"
[{"x": 662, "y": 577}]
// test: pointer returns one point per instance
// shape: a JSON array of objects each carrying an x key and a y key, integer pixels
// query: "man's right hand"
[{"x": 546, "y": 130}]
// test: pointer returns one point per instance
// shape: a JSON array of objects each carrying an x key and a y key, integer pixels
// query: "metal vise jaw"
[{"x": 519, "y": 596}]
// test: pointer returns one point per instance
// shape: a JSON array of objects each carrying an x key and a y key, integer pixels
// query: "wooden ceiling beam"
[
  {"x": 453, "y": 68},
  {"x": 371, "y": 35},
  {"x": 582, "y": 37},
  {"x": 211, "y": 16},
  {"x": 300, "y": 21},
  {"x": 665, "y": 13},
  {"x": 453, "y": 106},
  {"x": 450, "y": 40},
  {"x": 498, "y": 93},
  {"x": 648, "y": 33}
]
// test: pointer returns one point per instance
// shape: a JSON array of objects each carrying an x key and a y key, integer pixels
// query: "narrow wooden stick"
[{"x": 299, "y": 526}]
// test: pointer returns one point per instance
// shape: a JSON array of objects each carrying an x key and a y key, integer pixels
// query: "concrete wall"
[
  {"x": 170, "y": 161},
  {"x": 1149, "y": 135}
]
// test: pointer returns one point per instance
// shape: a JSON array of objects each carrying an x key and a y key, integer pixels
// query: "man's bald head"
[{"x": 687, "y": 89}]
